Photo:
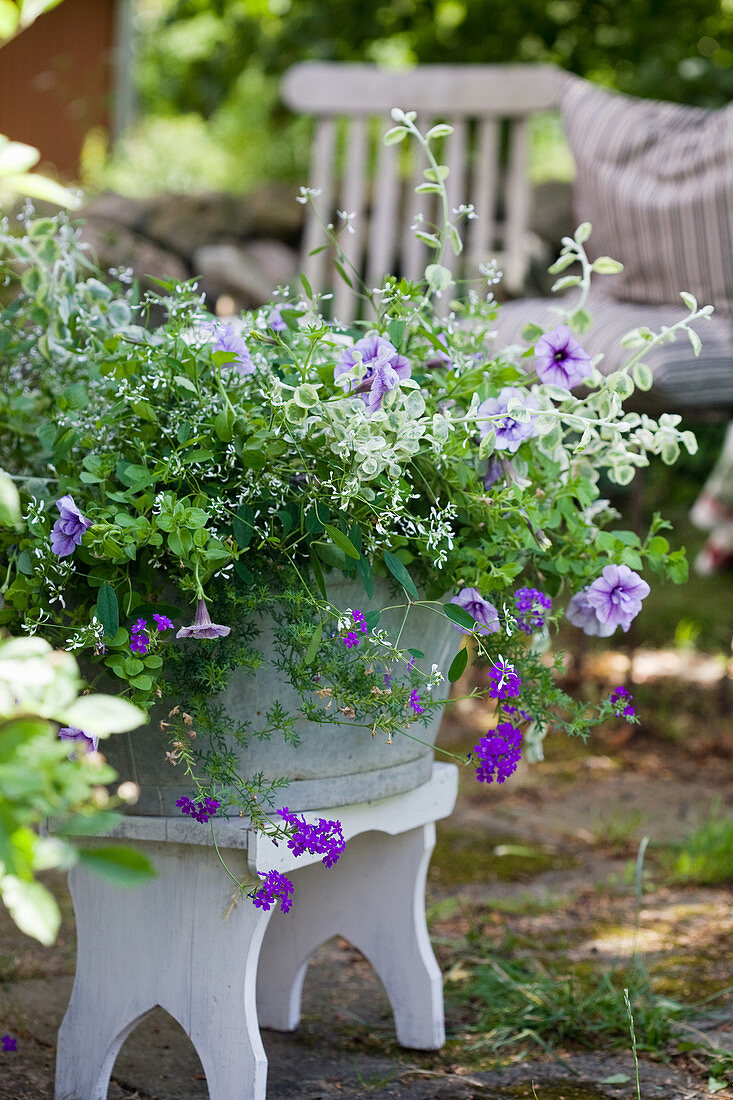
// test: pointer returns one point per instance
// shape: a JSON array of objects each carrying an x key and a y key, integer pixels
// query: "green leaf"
[
  {"x": 224, "y": 425},
  {"x": 616, "y": 1079},
  {"x": 366, "y": 576},
  {"x": 142, "y": 682},
  {"x": 583, "y": 232},
  {"x": 458, "y": 665},
  {"x": 397, "y": 133},
  {"x": 438, "y": 277},
  {"x": 428, "y": 189},
  {"x": 318, "y": 574},
  {"x": 372, "y": 619},
  {"x": 184, "y": 383},
  {"x": 32, "y": 907},
  {"x": 9, "y": 502},
  {"x": 108, "y": 610},
  {"x": 342, "y": 541},
  {"x": 24, "y": 564},
  {"x": 396, "y": 333},
  {"x": 605, "y": 265},
  {"x": 123, "y": 866},
  {"x": 310, "y": 653},
  {"x": 459, "y": 615},
  {"x": 243, "y": 526},
  {"x": 400, "y": 574},
  {"x": 306, "y": 285},
  {"x": 103, "y": 714},
  {"x": 442, "y": 129},
  {"x": 565, "y": 282}
]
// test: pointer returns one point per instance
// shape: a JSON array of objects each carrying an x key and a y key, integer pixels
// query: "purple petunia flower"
[
  {"x": 324, "y": 839},
  {"x": 415, "y": 702},
  {"x": 226, "y": 338},
  {"x": 275, "y": 888},
  {"x": 202, "y": 625},
  {"x": 616, "y": 596},
  {"x": 505, "y": 683},
  {"x": 510, "y": 433},
  {"x": 580, "y": 612},
  {"x": 162, "y": 622},
  {"x": 384, "y": 368},
  {"x": 623, "y": 702},
  {"x": 494, "y": 471},
  {"x": 275, "y": 320},
  {"x": 560, "y": 360},
  {"x": 9, "y": 1044},
  {"x": 498, "y": 753},
  {"x": 69, "y": 733},
  {"x": 485, "y": 614},
  {"x": 67, "y": 532},
  {"x": 530, "y": 604}
]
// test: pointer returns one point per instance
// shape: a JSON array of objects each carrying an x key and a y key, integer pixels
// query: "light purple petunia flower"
[
  {"x": 275, "y": 320},
  {"x": 69, "y": 733},
  {"x": 581, "y": 613},
  {"x": 510, "y": 433},
  {"x": 616, "y": 596},
  {"x": 485, "y": 614},
  {"x": 67, "y": 532},
  {"x": 384, "y": 369},
  {"x": 560, "y": 360},
  {"x": 226, "y": 338},
  {"x": 202, "y": 625}
]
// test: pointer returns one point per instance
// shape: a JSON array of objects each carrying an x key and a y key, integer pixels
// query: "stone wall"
[{"x": 241, "y": 249}]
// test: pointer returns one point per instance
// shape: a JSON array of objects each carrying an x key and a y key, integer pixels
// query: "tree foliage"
[{"x": 679, "y": 50}]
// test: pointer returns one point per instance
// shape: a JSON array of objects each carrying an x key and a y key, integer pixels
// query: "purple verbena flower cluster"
[
  {"x": 275, "y": 888},
  {"x": 199, "y": 811},
  {"x": 415, "y": 702},
  {"x": 324, "y": 839},
  {"x": 612, "y": 600},
  {"x": 359, "y": 620},
  {"x": 139, "y": 639},
  {"x": 505, "y": 683},
  {"x": 623, "y": 702},
  {"x": 530, "y": 604},
  {"x": 351, "y": 639},
  {"x": 498, "y": 753},
  {"x": 162, "y": 622},
  {"x": 70, "y": 733},
  {"x": 9, "y": 1044},
  {"x": 67, "y": 532}
]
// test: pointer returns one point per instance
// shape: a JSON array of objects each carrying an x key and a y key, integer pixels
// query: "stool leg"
[
  {"x": 175, "y": 942},
  {"x": 375, "y": 897}
]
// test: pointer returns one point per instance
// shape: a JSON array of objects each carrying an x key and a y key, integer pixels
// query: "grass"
[{"x": 706, "y": 857}]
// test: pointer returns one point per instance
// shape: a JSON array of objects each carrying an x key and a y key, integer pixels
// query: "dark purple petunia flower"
[
  {"x": 580, "y": 612},
  {"x": 226, "y": 338},
  {"x": 384, "y": 368},
  {"x": 202, "y": 625},
  {"x": 560, "y": 360},
  {"x": 494, "y": 471},
  {"x": 616, "y": 596},
  {"x": 485, "y": 614},
  {"x": 67, "y": 532},
  {"x": 510, "y": 433},
  {"x": 69, "y": 733}
]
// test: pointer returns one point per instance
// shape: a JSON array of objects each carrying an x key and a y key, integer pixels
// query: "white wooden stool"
[{"x": 186, "y": 941}]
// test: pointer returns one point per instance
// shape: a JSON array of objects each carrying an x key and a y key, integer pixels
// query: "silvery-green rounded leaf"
[
  {"x": 9, "y": 501},
  {"x": 518, "y": 411},
  {"x": 556, "y": 393},
  {"x": 306, "y": 395},
  {"x": 415, "y": 406},
  {"x": 100, "y": 715},
  {"x": 689, "y": 440},
  {"x": 488, "y": 444},
  {"x": 583, "y": 232},
  {"x": 294, "y": 413},
  {"x": 395, "y": 135},
  {"x": 565, "y": 282},
  {"x": 670, "y": 453},
  {"x": 604, "y": 265},
  {"x": 438, "y": 277},
  {"x": 622, "y": 474},
  {"x": 689, "y": 299},
  {"x": 643, "y": 376},
  {"x": 622, "y": 384}
]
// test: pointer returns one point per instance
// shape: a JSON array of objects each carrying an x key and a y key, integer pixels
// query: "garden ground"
[{"x": 537, "y": 922}]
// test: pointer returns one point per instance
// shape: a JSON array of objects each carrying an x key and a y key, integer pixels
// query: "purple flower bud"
[
  {"x": 67, "y": 532},
  {"x": 202, "y": 625},
  {"x": 560, "y": 360}
]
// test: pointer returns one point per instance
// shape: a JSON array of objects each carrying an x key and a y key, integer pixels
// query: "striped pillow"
[{"x": 656, "y": 181}]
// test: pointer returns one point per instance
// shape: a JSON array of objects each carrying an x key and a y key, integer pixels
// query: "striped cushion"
[
  {"x": 681, "y": 382},
  {"x": 656, "y": 182}
]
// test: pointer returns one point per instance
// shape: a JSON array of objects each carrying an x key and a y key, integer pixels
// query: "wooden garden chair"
[{"x": 488, "y": 106}]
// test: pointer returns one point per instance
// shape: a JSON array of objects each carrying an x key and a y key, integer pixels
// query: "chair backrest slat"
[
  {"x": 353, "y": 197},
  {"x": 481, "y": 102}
]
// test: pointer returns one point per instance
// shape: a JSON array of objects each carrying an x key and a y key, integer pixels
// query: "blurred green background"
[{"x": 208, "y": 72}]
